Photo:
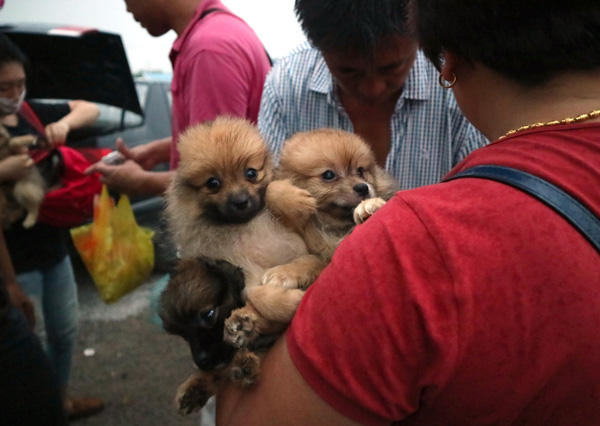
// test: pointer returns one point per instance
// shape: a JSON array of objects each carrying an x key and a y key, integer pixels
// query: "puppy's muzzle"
[
  {"x": 362, "y": 190},
  {"x": 240, "y": 202},
  {"x": 241, "y": 206},
  {"x": 216, "y": 357}
]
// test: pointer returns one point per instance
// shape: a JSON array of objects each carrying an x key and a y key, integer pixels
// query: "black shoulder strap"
[
  {"x": 216, "y": 9},
  {"x": 572, "y": 210}
]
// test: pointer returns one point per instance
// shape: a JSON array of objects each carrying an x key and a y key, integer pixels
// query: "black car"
[{"x": 83, "y": 63}]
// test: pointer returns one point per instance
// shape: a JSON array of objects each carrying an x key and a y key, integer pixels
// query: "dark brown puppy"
[{"x": 198, "y": 298}]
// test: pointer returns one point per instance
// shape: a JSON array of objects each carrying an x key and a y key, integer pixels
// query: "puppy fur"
[
  {"x": 25, "y": 194},
  {"x": 339, "y": 171}
]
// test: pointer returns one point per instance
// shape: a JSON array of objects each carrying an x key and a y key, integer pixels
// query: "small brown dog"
[
  {"x": 339, "y": 170},
  {"x": 25, "y": 194},
  {"x": 200, "y": 295}
]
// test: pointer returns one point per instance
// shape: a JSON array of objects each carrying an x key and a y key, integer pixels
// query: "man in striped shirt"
[{"x": 365, "y": 74}]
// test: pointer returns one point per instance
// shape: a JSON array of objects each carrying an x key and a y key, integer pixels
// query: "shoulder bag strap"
[
  {"x": 28, "y": 114},
  {"x": 586, "y": 222}
]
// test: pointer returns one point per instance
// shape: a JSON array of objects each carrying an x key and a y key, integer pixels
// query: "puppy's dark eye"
[
  {"x": 360, "y": 171},
  {"x": 328, "y": 175},
  {"x": 213, "y": 184},
  {"x": 251, "y": 174},
  {"x": 207, "y": 319}
]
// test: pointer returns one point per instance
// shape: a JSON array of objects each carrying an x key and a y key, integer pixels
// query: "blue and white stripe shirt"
[{"x": 430, "y": 135}]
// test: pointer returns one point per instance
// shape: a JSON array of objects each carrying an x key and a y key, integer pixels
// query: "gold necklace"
[{"x": 569, "y": 120}]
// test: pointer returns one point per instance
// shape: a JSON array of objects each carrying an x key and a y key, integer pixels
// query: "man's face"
[
  {"x": 374, "y": 80},
  {"x": 150, "y": 15}
]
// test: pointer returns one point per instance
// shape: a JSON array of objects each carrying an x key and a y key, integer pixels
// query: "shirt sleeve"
[
  {"x": 271, "y": 120},
  {"x": 376, "y": 335}
]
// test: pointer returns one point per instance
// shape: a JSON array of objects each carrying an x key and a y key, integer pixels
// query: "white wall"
[{"x": 279, "y": 31}]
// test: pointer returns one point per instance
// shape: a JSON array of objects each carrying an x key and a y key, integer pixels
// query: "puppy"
[
  {"x": 339, "y": 171},
  {"x": 199, "y": 296},
  {"x": 25, "y": 194},
  {"x": 219, "y": 206},
  {"x": 216, "y": 202}
]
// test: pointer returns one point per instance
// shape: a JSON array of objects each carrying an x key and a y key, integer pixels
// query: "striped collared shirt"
[{"x": 429, "y": 133}]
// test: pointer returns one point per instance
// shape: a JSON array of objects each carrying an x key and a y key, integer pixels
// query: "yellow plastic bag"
[{"x": 117, "y": 252}]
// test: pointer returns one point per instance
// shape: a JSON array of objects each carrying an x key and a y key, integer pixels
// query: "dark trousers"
[{"x": 29, "y": 394}]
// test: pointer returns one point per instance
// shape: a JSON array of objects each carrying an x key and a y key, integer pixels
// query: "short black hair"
[
  {"x": 10, "y": 52},
  {"x": 528, "y": 41},
  {"x": 351, "y": 26}
]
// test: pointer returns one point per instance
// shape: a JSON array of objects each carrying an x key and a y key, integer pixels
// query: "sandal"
[{"x": 76, "y": 408}]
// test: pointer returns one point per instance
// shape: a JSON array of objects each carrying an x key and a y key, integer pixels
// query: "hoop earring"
[{"x": 450, "y": 84}]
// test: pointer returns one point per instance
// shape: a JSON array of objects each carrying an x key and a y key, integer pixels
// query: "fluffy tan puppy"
[
  {"x": 25, "y": 194},
  {"x": 216, "y": 202}
]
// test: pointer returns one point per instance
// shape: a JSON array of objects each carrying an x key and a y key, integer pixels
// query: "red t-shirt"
[
  {"x": 219, "y": 68},
  {"x": 467, "y": 302}
]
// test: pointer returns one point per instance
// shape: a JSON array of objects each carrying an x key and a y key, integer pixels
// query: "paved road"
[{"x": 128, "y": 360}]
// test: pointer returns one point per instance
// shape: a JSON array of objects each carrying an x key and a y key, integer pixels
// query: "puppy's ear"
[{"x": 229, "y": 273}]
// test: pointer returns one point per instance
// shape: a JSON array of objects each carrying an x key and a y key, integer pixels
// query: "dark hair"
[
  {"x": 351, "y": 26},
  {"x": 10, "y": 52},
  {"x": 528, "y": 41}
]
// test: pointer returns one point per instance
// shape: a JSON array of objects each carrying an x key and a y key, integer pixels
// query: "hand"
[
  {"x": 127, "y": 178},
  {"x": 22, "y": 302},
  {"x": 141, "y": 154},
  {"x": 15, "y": 167},
  {"x": 56, "y": 133}
]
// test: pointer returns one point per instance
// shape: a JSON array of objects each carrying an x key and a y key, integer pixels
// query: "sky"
[{"x": 279, "y": 32}]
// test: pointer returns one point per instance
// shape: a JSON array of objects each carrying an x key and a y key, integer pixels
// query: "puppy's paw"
[
  {"x": 245, "y": 368},
  {"x": 30, "y": 220},
  {"x": 240, "y": 328},
  {"x": 292, "y": 205},
  {"x": 193, "y": 394},
  {"x": 281, "y": 276},
  {"x": 366, "y": 209}
]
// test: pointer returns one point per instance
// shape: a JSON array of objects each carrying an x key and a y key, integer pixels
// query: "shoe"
[{"x": 76, "y": 408}]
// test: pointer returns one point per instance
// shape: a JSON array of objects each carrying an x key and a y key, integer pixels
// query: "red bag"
[{"x": 72, "y": 204}]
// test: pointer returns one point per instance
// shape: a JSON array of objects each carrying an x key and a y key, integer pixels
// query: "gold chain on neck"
[{"x": 569, "y": 120}]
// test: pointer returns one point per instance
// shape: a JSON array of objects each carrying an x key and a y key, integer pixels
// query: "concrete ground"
[{"x": 127, "y": 359}]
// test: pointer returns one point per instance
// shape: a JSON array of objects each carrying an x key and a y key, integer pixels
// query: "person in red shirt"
[
  {"x": 219, "y": 68},
  {"x": 467, "y": 302}
]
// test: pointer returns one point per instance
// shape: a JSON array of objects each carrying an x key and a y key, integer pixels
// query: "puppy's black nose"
[
  {"x": 362, "y": 189},
  {"x": 201, "y": 359},
  {"x": 240, "y": 202}
]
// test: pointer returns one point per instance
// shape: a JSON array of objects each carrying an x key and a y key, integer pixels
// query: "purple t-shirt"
[{"x": 219, "y": 68}]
